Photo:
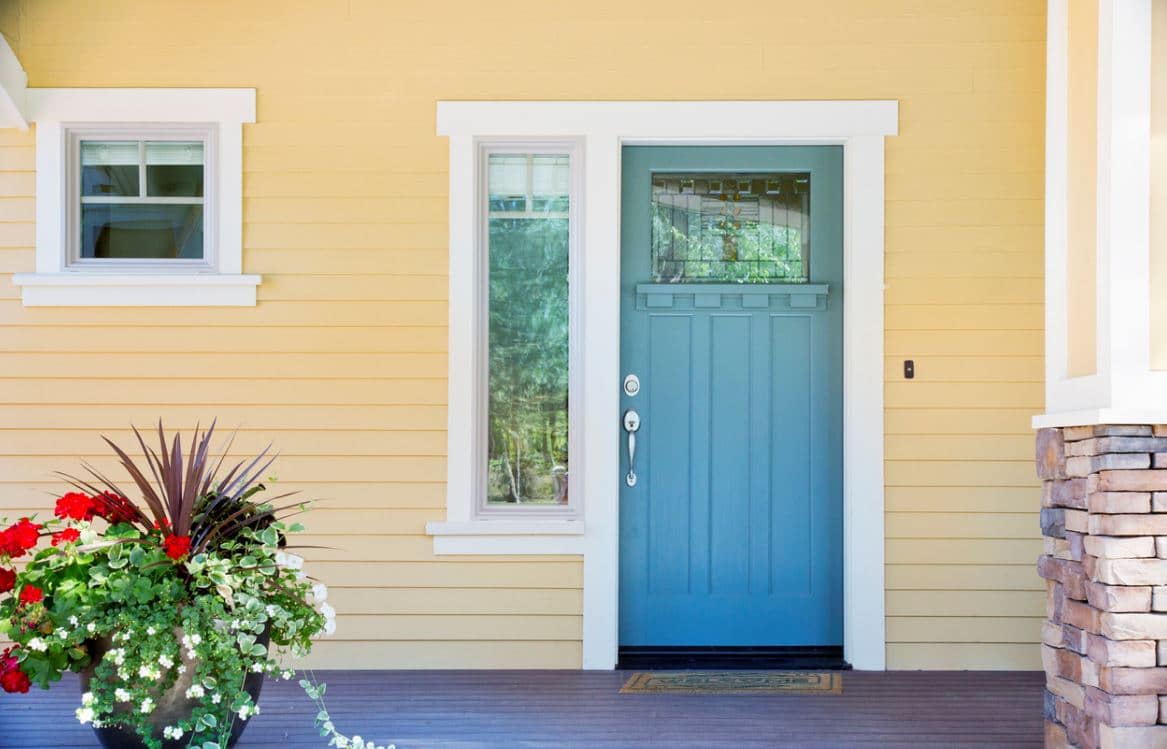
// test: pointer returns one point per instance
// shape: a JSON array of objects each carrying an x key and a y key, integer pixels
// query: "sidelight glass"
[
  {"x": 731, "y": 227},
  {"x": 528, "y": 228}
]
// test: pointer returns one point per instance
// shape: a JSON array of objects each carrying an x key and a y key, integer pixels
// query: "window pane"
[
  {"x": 136, "y": 231},
  {"x": 174, "y": 169},
  {"x": 528, "y": 329},
  {"x": 752, "y": 228},
  {"x": 109, "y": 168}
]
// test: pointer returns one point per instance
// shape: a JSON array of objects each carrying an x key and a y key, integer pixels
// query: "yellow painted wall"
[
  {"x": 343, "y": 361},
  {"x": 1082, "y": 189},
  {"x": 1159, "y": 184}
]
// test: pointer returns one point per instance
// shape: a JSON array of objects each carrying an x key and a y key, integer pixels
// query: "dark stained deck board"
[{"x": 554, "y": 709}]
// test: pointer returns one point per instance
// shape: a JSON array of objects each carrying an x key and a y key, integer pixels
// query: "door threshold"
[{"x": 801, "y": 658}]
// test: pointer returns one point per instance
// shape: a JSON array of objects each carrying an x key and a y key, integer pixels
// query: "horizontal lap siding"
[{"x": 343, "y": 362}]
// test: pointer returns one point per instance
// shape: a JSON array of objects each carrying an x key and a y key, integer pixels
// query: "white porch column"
[{"x": 1122, "y": 386}]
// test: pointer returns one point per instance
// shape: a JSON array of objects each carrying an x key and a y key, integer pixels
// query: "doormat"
[{"x": 734, "y": 682}]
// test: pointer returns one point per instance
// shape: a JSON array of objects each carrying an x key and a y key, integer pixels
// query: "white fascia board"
[
  {"x": 141, "y": 104},
  {"x": 734, "y": 120},
  {"x": 13, "y": 89}
]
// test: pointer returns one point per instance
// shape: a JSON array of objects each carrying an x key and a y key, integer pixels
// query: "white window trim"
[
  {"x": 58, "y": 111},
  {"x": 604, "y": 127}
]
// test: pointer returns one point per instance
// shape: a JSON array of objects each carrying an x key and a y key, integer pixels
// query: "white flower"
[
  {"x": 330, "y": 627},
  {"x": 320, "y": 592},
  {"x": 147, "y": 671},
  {"x": 151, "y": 631},
  {"x": 257, "y": 668},
  {"x": 165, "y": 661},
  {"x": 216, "y": 699},
  {"x": 90, "y": 627},
  {"x": 119, "y": 656},
  {"x": 121, "y": 695},
  {"x": 38, "y": 645},
  {"x": 195, "y": 692},
  {"x": 74, "y": 621},
  {"x": 327, "y": 611},
  {"x": 243, "y": 712},
  {"x": 147, "y": 706},
  {"x": 288, "y": 674},
  {"x": 341, "y": 742},
  {"x": 172, "y": 732},
  {"x": 63, "y": 633},
  {"x": 181, "y": 668},
  {"x": 123, "y": 674},
  {"x": 290, "y": 561},
  {"x": 84, "y": 715},
  {"x": 87, "y": 699}
]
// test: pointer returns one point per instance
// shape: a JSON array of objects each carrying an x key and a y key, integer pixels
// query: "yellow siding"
[
  {"x": 1159, "y": 186},
  {"x": 1081, "y": 188},
  {"x": 343, "y": 362}
]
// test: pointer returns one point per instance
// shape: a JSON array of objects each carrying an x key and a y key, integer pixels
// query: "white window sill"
[
  {"x": 506, "y": 536},
  {"x": 137, "y": 289}
]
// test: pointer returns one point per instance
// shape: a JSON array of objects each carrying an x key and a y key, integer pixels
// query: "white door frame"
[{"x": 603, "y": 128}]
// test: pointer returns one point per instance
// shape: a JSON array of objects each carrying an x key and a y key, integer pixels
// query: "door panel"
[{"x": 732, "y": 534}]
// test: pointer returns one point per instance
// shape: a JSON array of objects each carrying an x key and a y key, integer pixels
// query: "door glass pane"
[
  {"x": 528, "y": 225},
  {"x": 134, "y": 231},
  {"x": 735, "y": 227}
]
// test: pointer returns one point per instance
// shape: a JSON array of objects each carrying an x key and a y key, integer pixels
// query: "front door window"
[{"x": 731, "y": 227}]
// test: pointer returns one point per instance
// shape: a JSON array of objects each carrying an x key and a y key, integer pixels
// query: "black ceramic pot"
[{"x": 172, "y": 705}]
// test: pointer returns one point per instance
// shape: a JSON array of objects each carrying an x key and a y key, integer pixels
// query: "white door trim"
[{"x": 604, "y": 127}]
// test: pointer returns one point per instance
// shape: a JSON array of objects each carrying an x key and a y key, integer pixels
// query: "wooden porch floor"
[{"x": 543, "y": 709}]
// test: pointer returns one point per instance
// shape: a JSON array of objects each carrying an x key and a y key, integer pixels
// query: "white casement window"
[
  {"x": 139, "y": 198},
  {"x": 515, "y": 239}
]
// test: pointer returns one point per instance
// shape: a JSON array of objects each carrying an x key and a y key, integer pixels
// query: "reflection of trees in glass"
[
  {"x": 736, "y": 228},
  {"x": 528, "y": 360}
]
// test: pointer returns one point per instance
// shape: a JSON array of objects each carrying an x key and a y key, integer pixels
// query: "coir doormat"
[{"x": 734, "y": 682}]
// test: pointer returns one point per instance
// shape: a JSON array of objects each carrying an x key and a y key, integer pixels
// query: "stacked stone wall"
[{"x": 1104, "y": 518}]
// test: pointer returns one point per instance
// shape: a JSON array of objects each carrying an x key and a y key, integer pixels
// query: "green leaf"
[
  {"x": 137, "y": 555},
  {"x": 258, "y": 650},
  {"x": 210, "y": 721},
  {"x": 116, "y": 563}
]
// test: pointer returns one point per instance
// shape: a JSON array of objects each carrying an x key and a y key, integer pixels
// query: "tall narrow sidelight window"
[{"x": 527, "y": 244}]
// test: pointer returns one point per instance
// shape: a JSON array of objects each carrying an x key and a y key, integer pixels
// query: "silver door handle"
[{"x": 631, "y": 425}]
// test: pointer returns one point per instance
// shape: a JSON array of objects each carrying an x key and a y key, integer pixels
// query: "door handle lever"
[{"x": 631, "y": 425}]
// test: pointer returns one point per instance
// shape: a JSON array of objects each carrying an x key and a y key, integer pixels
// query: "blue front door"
[{"x": 731, "y": 320}]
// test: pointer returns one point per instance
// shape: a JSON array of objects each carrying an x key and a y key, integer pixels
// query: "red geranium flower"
[
  {"x": 15, "y": 682},
  {"x": 12, "y": 679},
  {"x": 177, "y": 547},
  {"x": 7, "y": 580},
  {"x": 31, "y": 594},
  {"x": 75, "y": 506},
  {"x": 18, "y": 539},
  {"x": 69, "y": 535},
  {"x": 113, "y": 508}
]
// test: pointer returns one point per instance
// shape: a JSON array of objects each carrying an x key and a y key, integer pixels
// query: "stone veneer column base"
[{"x": 1104, "y": 518}]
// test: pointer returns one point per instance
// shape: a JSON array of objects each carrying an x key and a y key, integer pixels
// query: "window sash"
[
  {"x": 143, "y": 136},
  {"x": 570, "y": 149}
]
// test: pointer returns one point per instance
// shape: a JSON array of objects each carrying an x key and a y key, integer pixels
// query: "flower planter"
[{"x": 173, "y": 705}]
